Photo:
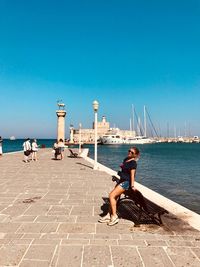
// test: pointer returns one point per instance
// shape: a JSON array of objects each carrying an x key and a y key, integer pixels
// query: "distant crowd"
[{"x": 30, "y": 149}]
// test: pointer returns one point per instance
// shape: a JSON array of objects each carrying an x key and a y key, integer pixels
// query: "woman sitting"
[{"x": 127, "y": 180}]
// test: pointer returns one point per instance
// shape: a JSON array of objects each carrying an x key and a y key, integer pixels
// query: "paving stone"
[
  {"x": 13, "y": 236},
  {"x": 134, "y": 242},
  {"x": 20, "y": 241},
  {"x": 168, "y": 237},
  {"x": 154, "y": 257},
  {"x": 107, "y": 236},
  {"x": 189, "y": 238},
  {"x": 12, "y": 254},
  {"x": 67, "y": 200},
  {"x": 31, "y": 227},
  {"x": 70, "y": 256},
  {"x": 197, "y": 252},
  {"x": 76, "y": 228},
  {"x": 72, "y": 202},
  {"x": 34, "y": 263},
  {"x": 9, "y": 227},
  {"x": 15, "y": 210},
  {"x": 56, "y": 218},
  {"x": 131, "y": 259},
  {"x": 53, "y": 236},
  {"x": 104, "y": 242},
  {"x": 81, "y": 236},
  {"x": 179, "y": 243},
  {"x": 96, "y": 256},
  {"x": 116, "y": 229},
  {"x": 50, "y": 228},
  {"x": 156, "y": 243},
  {"x": 86, "y": 219},
  {"x": 4, "y": 241},
  {"x": 4, "y": 217},
  {"x": 22, "y": 219},
  {"x": 196, "y": 243},
  {"x": 60, "y": 210},
  {"x": 37, "y": 210},
  {"x": 2, "y": 235},
  {"x": 80, "y": 210},
  {"x": 4, "y": 200},
  {"x": 40, "y": 252},
  {"x": 31, "y": 235},
  {"x": 47, "y": 241},
  {"x": 182, "y": 257},
  {"x": 75, "y": 242},
  {"x": 126, "y": 237}
]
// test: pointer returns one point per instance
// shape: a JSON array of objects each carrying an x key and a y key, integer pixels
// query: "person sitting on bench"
[
  {"x": 56, "y": 150},
  {"x": 127, "y": 176},
  {"x": 73, "y": 154}
]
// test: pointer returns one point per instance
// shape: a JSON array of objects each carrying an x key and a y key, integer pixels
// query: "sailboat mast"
[
  {"x": 139, "y": 126},
  {"x": 130, "y": 125},
  {"x": 133, "y": 113},
  {"x": 174, "y": 131},
  {"x": 145, "y": 122}
]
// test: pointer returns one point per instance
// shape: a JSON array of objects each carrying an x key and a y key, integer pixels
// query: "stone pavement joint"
[{"x": 49, "y": 213}]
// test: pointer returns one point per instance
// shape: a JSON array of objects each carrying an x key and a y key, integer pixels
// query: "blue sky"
[{"x": 118, "y": 52}]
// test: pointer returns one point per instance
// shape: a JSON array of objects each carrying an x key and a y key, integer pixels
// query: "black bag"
[
  {"x": 27, "y": 152},
  {"x": 58, "y": 151}
]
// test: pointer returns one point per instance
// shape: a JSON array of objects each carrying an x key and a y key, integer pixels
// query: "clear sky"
[{"x": 120, "y": 52}]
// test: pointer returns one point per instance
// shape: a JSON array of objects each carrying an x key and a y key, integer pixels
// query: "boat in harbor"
[
  {"x": 111, "y": 139},
  {"x": 113, "y": 136},
  {"x": 139, "y": 140},
  {"x": 141, "y": 133},
  {"x": 12, "y": 138}
]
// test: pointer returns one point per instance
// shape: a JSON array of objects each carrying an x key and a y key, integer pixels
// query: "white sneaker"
[
  {"x": 114, "y": 220},
  {"x": 105, "y": 219}
]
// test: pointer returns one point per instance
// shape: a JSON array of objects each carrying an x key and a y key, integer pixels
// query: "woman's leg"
[
  {"x": 114, "y": 194},
  {"x": 34, "y": 157}
]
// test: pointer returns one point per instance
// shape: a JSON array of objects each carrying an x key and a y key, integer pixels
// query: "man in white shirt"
[{"x": 27, "y": 149}]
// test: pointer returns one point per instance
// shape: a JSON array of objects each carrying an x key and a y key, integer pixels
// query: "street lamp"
[
  {"x": 79, "y": 149},
  {"x": 95, "y": 105}
]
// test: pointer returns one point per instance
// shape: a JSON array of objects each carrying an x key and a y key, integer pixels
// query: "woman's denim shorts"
[{"x": 125, "y": 185}]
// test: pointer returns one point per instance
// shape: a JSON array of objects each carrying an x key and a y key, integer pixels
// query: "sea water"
[
  {"x": 16, "y": 145},
  {"x": 171, "y": 169}
]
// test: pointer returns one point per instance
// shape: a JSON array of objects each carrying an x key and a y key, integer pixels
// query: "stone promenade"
[{"x": 49, "y": 213}]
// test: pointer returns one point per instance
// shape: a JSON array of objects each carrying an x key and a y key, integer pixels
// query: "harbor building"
[{"x": 103, "y": 127}]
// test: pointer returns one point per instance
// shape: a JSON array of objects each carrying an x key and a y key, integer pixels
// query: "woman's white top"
[{"x": 34, "y": 146}]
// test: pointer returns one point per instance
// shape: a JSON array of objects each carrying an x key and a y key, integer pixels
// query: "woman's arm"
[{"x": 132, "y": 174}]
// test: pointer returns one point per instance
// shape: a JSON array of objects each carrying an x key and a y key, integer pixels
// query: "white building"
[{"x": 103, "y": 127}]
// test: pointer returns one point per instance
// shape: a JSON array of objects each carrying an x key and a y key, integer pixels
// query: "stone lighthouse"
[{"x": 61, "y": 113}]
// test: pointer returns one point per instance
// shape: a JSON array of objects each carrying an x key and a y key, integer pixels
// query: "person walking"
[
  {"x": 1, "y": 146},
  {"x": 34, "y": 146},
  {"x": 127, "y": 175},
  {"x": 27, "y": 149}
]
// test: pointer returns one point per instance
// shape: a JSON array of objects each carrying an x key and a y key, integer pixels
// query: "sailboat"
[{"x": 140, "y": 139}]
